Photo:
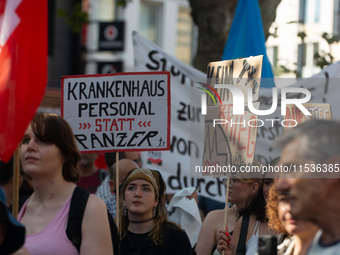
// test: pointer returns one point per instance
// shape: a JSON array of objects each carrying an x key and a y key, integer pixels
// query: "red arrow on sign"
[
  {"x": 80, "y": 125},
  {"x": 149, "y": 123},
  {"x": 139, "y": 123}
]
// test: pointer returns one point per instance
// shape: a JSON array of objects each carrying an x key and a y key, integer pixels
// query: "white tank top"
[{"x": 252, "y": 243}]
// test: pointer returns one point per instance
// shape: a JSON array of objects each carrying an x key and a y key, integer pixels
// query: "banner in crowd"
[
  {"x": 178, "y": 170},
  {"x": 118, "y": 112},
  {"x": 324, "y": 88},
  {"x": 187, "y": 123},
  {"x": 23, "y": 65}
]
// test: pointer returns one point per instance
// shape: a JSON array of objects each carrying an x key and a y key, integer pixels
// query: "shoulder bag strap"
[
  {"x": 76, "y": 214},
  {"x": 241, "y": 246}
]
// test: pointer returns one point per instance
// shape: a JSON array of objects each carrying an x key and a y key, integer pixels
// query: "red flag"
[{"x": 23, "y": 68}]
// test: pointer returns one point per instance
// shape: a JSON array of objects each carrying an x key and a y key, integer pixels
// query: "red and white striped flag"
[{"x": 23, "y": 68}]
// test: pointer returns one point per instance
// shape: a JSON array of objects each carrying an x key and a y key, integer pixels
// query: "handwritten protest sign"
[
  {"x": 318, "y": 112},
  {"x": 228, "y": 146},
  {"x": 121, "y": 111},
  {"x": 230, "y": 139},
  {"x": 243, "y": 73}
]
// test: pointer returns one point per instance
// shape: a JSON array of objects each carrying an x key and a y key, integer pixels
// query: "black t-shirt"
[{"x": 175, "y": 241}]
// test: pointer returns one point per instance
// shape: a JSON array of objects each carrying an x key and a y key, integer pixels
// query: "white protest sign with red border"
[{"x": 118, "y": 112}]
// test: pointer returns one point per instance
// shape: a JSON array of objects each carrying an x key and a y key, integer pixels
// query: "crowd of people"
[{"x": 71, "y": 207}]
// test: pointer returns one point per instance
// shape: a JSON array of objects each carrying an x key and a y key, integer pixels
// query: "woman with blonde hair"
[
  {"x": 299, "y": 234},
  {"x": 144, "y": 227},
  {"x": 246, "y": 193}
]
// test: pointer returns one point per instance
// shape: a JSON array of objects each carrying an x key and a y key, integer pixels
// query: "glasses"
[{"x": 232, "y": 181}]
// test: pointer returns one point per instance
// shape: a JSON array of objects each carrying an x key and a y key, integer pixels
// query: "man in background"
[
  {"x": 103, "y": 190},
  {"x": 313, "y": 149},
  {"x": 125, "y": 166}
]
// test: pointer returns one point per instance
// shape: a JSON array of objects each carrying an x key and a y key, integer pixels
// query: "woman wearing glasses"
[{"x": 247, "y": 195}]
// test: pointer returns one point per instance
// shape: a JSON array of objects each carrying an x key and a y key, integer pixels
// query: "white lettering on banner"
[{"x": 124, "y": 111}]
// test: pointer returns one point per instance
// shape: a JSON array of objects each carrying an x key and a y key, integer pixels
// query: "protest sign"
[
  {"x": 118, "y": 112},
  {"x": 179, "y": 171},
  {"x": 318, "y": 112},
  {"x": 323, "y": 87},
  {"x": 243, "y": 73},
  {"x": 229, "y": 140}
]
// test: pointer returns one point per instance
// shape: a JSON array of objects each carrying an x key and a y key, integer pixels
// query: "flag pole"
[{"x": 16, "y": 175}]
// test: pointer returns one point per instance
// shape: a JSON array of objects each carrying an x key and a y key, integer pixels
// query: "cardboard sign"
[
  {"x": 318, "y": 111},
  {"x": 243, "y": 73},
  {"x": 118, "y": 112},
  {"x": 231, "y": 143},
  {"x": 230, "y": 139}
]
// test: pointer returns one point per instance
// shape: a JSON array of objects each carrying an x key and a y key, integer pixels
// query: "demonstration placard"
[
  {"x": 243, "y": 73},
  {"x": 230, "y": 139},
  {"x": 294, "y": 116},
  {"x": 118, "y": 112}
]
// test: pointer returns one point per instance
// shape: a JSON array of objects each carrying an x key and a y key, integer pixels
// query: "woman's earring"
[
  {"x": 124, "y": 210},
  {"x": 154, "y": 212}
]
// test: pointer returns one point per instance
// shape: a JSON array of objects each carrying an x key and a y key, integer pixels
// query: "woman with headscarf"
[{"x": 144, "y": 227}]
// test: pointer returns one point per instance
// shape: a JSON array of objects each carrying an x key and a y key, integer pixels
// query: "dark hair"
[
  {"x": 6, "y": 171},
  {"x": 255, "y": 204},
  {"x": 53, "y": 129}
]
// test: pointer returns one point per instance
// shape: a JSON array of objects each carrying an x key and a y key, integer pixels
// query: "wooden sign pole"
[
  {"x": 117, "y": 190},
  {"x": 16, "y": 176}
]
